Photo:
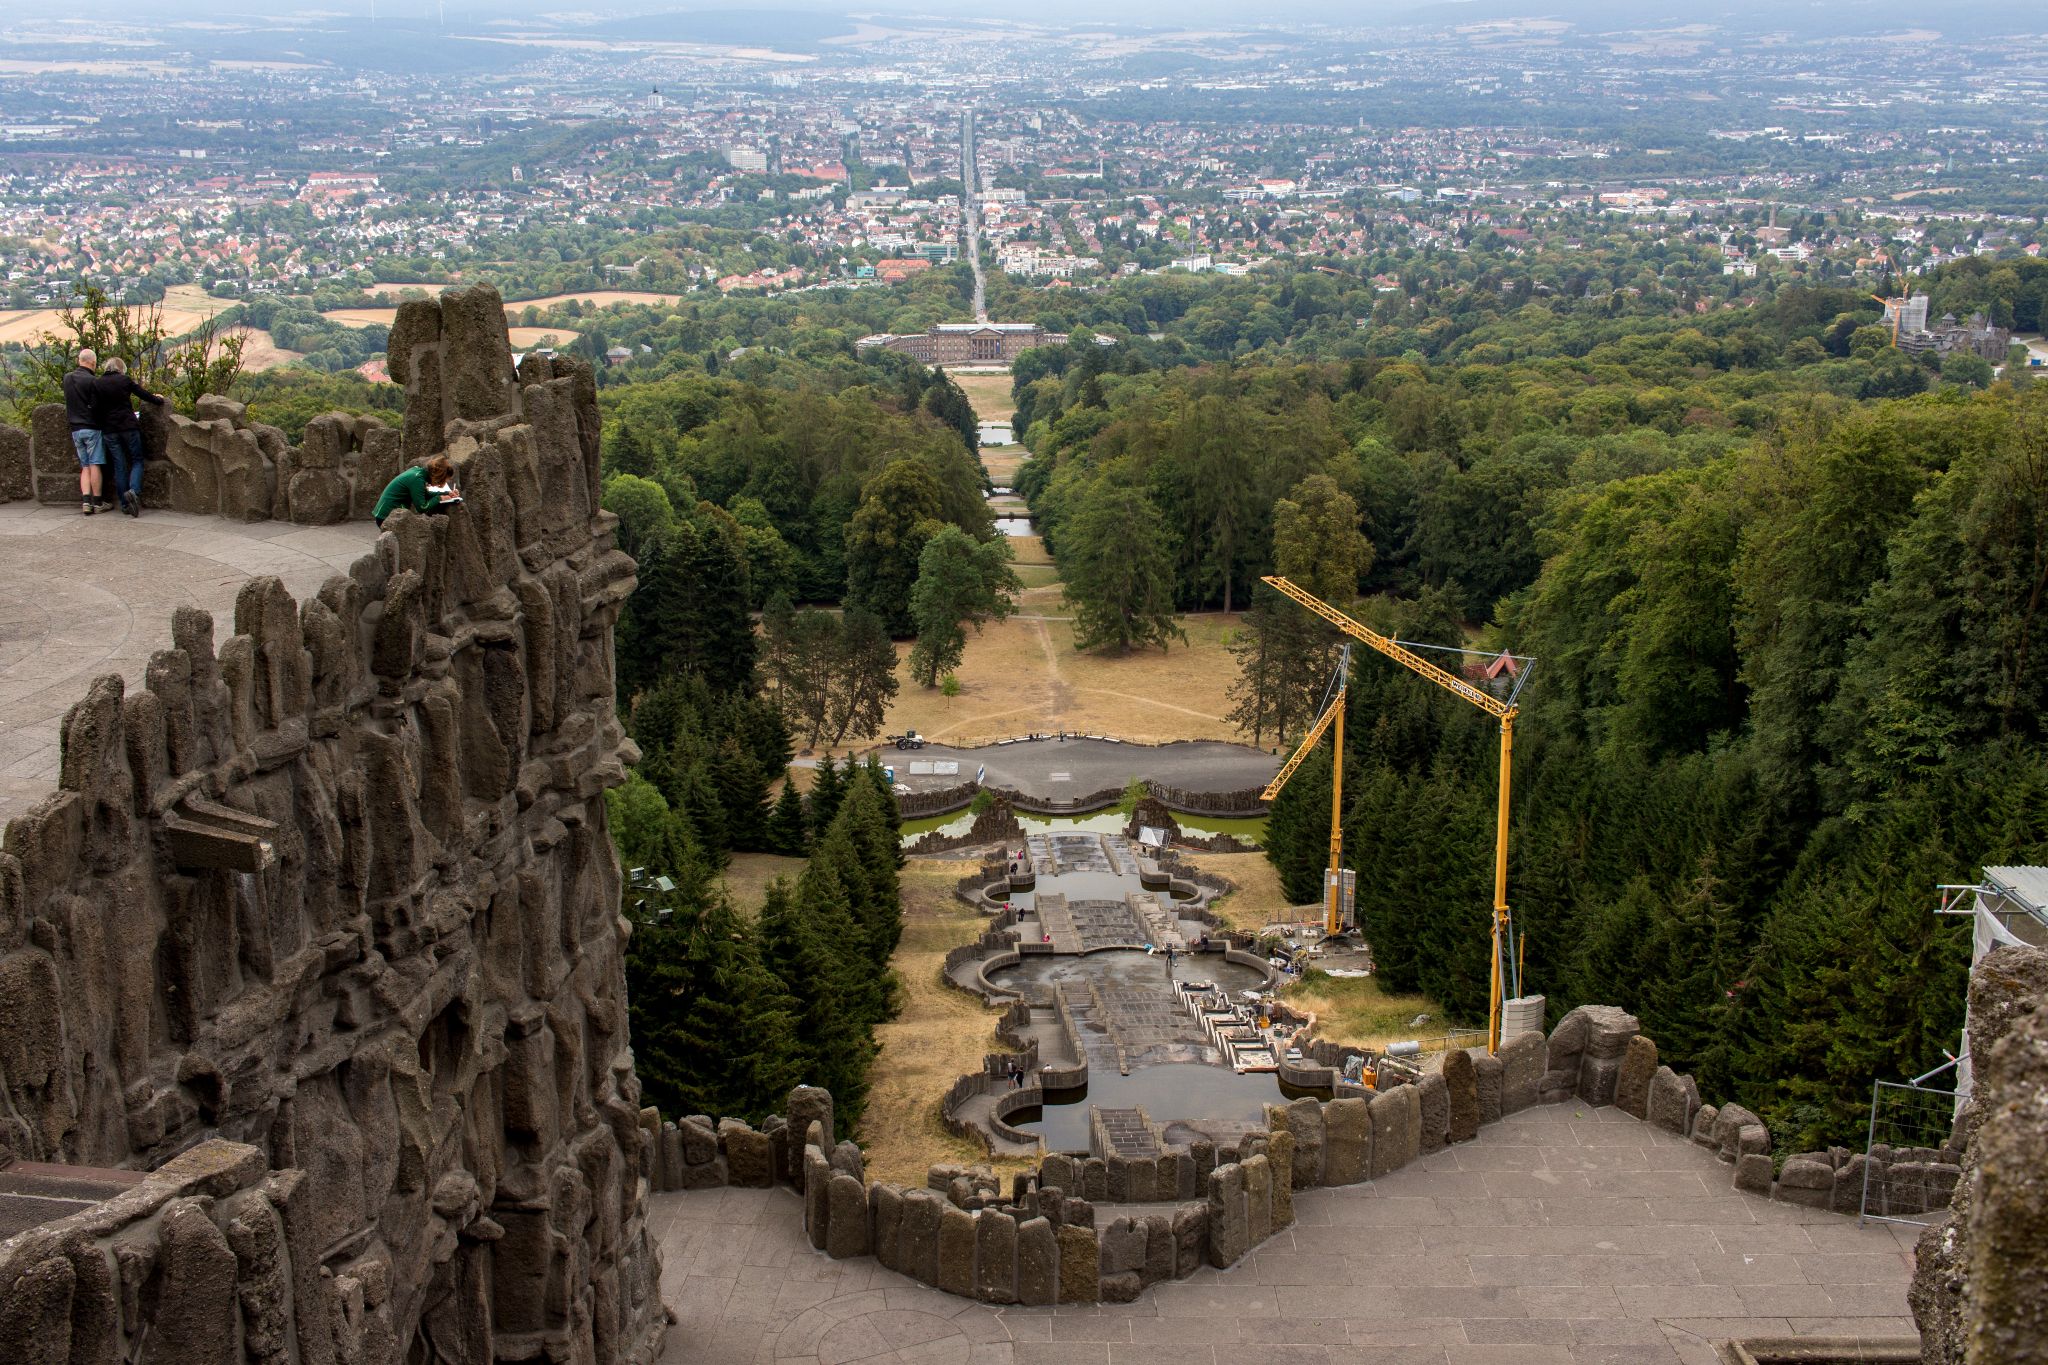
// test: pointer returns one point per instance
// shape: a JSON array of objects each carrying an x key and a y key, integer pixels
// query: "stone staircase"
[{"x": 1122, "y": 1132}]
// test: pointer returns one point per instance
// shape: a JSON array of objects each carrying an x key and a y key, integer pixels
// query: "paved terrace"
[
  {"x": 1562, "y": 1236},
  {"x": 84, "y": 596},
  {"x": 1062, "y": 770}
]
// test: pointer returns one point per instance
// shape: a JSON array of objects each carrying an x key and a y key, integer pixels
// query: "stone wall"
[
  {"x": 219, "y": 463},
  {"x": 336, "y": 884},
  {"x": 1980, "y": 1285}
]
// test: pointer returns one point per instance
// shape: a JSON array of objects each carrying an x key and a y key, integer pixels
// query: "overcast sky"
[{"x": 1813, "y": 17}]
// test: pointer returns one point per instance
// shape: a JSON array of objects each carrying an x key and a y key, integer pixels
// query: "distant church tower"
[{"x": 654, "y": 98}]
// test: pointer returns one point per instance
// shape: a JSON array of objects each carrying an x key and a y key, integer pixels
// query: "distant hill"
[{"x": 789, "y": 30}]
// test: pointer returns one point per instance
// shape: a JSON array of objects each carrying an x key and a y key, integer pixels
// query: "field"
[
  {"x": 940, "y": 1035},
  {"x": 599, "y": 298},
  {"x": 747, "y": 876},
  {"x": 1024, "y": 675},
  {"x": 185, "y": 307},
  {"x": 260, "y": 352},
  {"x": 1355, "y": 1010},
  {"x": 989, "y": 394},
  {"x": 1258, "y": 900}
]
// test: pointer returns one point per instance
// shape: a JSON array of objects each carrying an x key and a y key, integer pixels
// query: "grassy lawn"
[
  {"x": 1355, "y": 1010},
  {"x": 1258, "y": 900},
  {"x": 988, "y": 395},
  {"x": 747, "y": 876},
  {"x": 1024, "y": 676},
  {"x": 940, "y": 1035},
  {"x": 1039, "y": 576}
]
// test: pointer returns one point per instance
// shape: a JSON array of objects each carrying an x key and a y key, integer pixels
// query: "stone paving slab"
[
  {"x": 1429, "y": 1266},
  {"x": 85, "y": 596}
]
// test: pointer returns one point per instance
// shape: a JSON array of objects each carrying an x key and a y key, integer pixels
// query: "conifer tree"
[
  {"x": 786, "y": 825},
  {"x": 823, "y": 801}
]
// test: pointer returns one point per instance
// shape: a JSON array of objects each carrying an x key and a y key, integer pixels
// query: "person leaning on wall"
[
  {"x": 120, "y": 433},
  {"x": 426, "y": 489}
]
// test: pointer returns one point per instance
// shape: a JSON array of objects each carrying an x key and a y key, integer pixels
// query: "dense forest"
[
  {"x": 848, "y": 482},
  {"x": 1785, "y": 587}
]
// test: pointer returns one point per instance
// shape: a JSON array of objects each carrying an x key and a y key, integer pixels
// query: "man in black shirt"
[
  {"x": 120, "y": 432},
  {"x": 85, "y": 429}
]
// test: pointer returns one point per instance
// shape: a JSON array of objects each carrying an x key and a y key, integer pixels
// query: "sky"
[{"x": 1809, "y": 15}]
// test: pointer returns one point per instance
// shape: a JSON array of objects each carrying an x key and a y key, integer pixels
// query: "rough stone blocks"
[
  {"x": 1461, "y": 1082},
  {"x": 1229, "y": 1232},
  {"x": 995, "y": 1257},
  {"x": 1632, "y": 1086},
  {"x": 956, "y": 1252},
  {"x": 1080, "y": 1270},
  {"x": 1347, "y": 1142},
  {"x": 1674, "y": 1099},
  {"x": 1522, "y": 1060},
  {"x": 1396, "y": 1129},
  {"x": 1038, "y": 1263}
]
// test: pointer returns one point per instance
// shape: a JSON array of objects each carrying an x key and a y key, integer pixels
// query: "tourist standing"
[
  {"x": 85, "y": 432},
  {"x": 120, "y": 433}
]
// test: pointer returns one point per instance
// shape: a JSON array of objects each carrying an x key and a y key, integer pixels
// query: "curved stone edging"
[{"x": 1039, "y": 1243}]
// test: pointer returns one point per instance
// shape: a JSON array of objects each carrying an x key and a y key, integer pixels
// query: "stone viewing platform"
[
  {"x": 313, "y": 1035},
  {"x": 1564, "y": 1235},
  {"x": 88, "y": 596}
]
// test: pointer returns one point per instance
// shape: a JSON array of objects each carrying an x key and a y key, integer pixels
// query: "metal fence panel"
[{"x": 1906, "y": 1116}]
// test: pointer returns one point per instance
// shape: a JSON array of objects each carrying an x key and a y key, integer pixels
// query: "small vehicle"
[{"x": 909, "y": 739}]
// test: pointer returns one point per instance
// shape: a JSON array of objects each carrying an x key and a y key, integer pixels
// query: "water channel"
[
  {"x": 1210, "y": 1097},
  {"x": 1109, "y": 820}
]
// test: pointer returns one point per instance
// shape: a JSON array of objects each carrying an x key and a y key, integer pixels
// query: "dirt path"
[{"x": 1062, "y": 693}]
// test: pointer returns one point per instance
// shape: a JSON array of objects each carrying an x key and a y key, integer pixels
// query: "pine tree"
[
  {"x": 742, "y": 796},
  {"x": 786, "y": 824},
  {"x": 827, "y": 788}
]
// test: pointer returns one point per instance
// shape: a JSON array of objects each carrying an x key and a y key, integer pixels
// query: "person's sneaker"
[
  {"x": 86, "y": 507},
  {"x": 131, "y": 504}
]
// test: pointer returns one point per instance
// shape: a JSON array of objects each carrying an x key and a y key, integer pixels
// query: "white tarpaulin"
[{"x": 2012, "y": 908}]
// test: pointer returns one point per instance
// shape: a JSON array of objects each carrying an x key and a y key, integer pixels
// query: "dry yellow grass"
[
  {"x": 526, "y": 338},
  {"x": 747, "y": 876},
  {"x": 940, "y": 1035},
  {"x": 1030, "y": 550},
  {"x": 185, "y": 307},
  {"x": 260, "y": 351},
  {"x": 1023, "y": 675},
  {"x": 1356, "y": 1011},
  {"x": 1258, "y": 899},
  {"x": 599, "y": 298},
  {"x": 988, "y": 395}
]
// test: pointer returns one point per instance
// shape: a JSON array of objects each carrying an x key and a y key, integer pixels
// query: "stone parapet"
[{"x": 336, "y": 884}]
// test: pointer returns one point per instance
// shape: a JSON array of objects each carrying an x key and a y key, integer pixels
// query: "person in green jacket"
[{"x": 414, "y": 488}]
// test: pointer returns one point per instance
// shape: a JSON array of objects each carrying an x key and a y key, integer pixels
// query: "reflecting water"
[
  {"x": 1109, "y": 820},
  {"x": 1015, "y": 526},
  {"x": 996, "y": 434},
  {"x": 1182, "y": 1092},
  {"x": 1125, "y": 969}
]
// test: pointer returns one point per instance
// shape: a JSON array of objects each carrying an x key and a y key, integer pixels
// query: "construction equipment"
[
  {"x": 1335, "y": 881},
  {"x": 1895, "y": 308},
  {"x": 1507, "y": 971},
  {"x": 909, "y": 739}
]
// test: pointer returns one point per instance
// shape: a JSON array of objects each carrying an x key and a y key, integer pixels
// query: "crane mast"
[
  {"x": 1333, "y": 715},
  {"x": 1506, "y": 973}
]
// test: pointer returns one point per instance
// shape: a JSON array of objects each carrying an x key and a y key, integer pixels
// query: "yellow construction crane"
[
  {"x": 1896, "y": 307},
  {"x": 1333, "y": 713},
  {"x": 1506, "y": 965}
]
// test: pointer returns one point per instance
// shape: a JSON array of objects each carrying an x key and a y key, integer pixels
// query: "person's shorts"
[{"x": 91, "y": 449}]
